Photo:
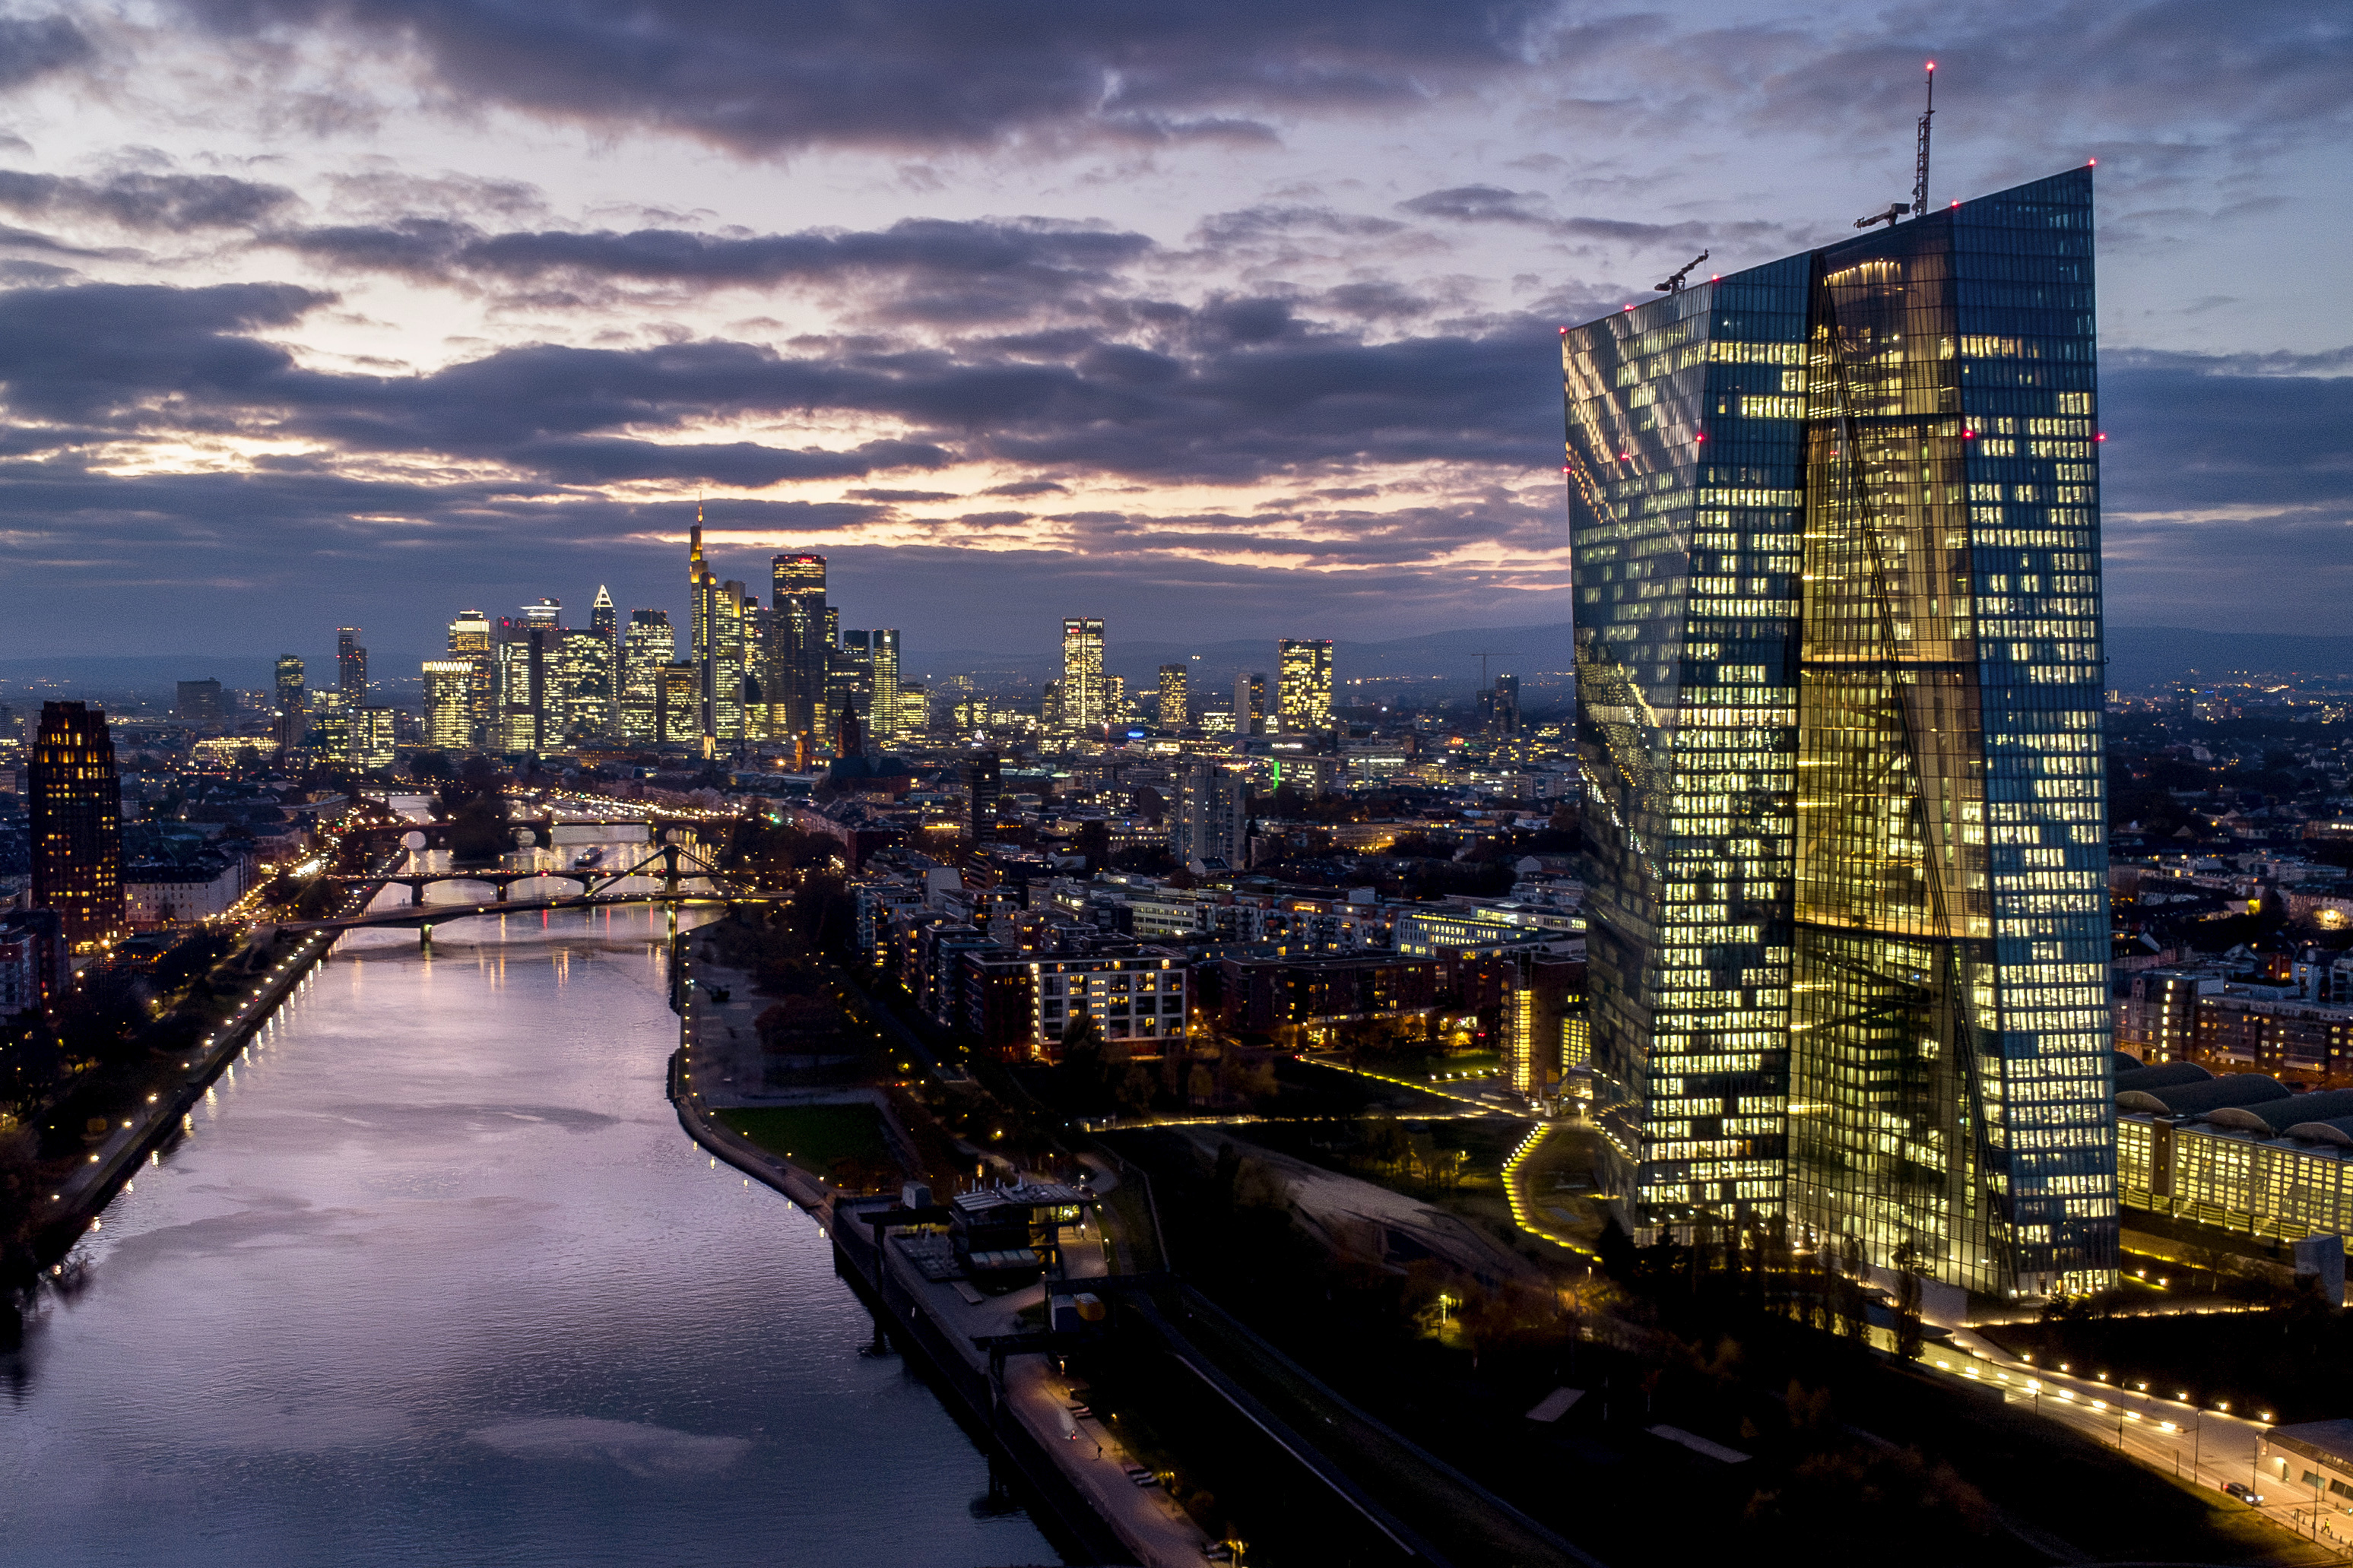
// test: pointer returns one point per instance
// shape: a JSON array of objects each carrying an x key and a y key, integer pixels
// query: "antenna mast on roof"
[{"x": 1920, "y": 171}]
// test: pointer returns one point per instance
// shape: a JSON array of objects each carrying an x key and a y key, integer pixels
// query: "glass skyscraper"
[{"x": 1836, "y": 529}]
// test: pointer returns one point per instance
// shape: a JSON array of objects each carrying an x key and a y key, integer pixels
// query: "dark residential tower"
[
  {"x": 76, "y": 819},
  {"x": 1836, "y": 529},
  {"x": 351, "y": 666}
]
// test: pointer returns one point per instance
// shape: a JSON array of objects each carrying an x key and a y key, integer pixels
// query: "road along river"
[{"x": 438, "y": 1279}]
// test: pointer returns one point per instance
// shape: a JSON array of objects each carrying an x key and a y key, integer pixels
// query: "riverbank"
[{"x": 78, "y": 1204}]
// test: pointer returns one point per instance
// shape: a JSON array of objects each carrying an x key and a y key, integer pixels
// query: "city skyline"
[{"x": 1185, "y": 343}]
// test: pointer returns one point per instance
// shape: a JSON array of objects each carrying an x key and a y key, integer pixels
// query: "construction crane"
[
  {"x": 1674, "y": 283},
  {"x": 1918, "y": 207},
  {"x": 1483, "y": 656}
]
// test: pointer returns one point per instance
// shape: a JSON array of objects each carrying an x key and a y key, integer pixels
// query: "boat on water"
[{"x": 588, "y": 860}]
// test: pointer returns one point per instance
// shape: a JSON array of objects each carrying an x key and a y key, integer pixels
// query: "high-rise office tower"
[
  {"x": 1209, "y": 819},
  {"x": 760, "y": 704},
  {"x": 329, "y": 729},
  {"x": 1250, "y": 704},
  {"x": 1082, "y": 687},
  {"x": 469, "y": 639},
  {"x": 883, "y": 709},
  {"x": 585, "y": 685},
  {"x": 849, "y": 683},
  {"x": 1836, "y": 529},
  {"x": 1173, "y": 715},
  {"x": 76, "y": 805},
  {"x": 645, "y": 645},
  {"x": 1306, "y": 675},
  {"x": 1500, "y": 707},
  {"x": 605, "y": 622},
  {"x": 373, "y": 738},
  {"x": 289, "y": 700},
  {"x": 530, "y": 710},
  {"x": 798, "y": 643},
  {"x": 350, "y": 664},
  {"x": 678, "y": 712},
  {"x": 717, "y": 647},
  {"x": 449, "y": 703}
]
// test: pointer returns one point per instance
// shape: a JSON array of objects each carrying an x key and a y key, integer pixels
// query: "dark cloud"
[
  {"x": 768, "y": 75},
  {"x": 2186, "y": 436},
  {"x": 164, "y": 202},
  {"x": 34, "y": 47},
  {"x": 1242, "y": 391},
  {"x": 1494, "y": 204},
  {"x": 115, "y": 350},
  {"x": 1251, "y": 225},
  {"x": 1038, "y": 251},
  {"x": 1022, "y": 489}
]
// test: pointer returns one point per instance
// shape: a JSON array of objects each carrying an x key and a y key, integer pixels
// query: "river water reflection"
[{"x": 438, "y": 1279}]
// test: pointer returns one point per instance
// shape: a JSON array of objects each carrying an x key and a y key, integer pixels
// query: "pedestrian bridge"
[{"x": 672, "y": 865}]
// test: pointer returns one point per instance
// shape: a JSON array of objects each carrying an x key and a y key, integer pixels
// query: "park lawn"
[{"x": 814, "y": 1137}]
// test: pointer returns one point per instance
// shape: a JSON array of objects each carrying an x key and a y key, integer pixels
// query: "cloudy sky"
[{"x": 1220, "y": 318}]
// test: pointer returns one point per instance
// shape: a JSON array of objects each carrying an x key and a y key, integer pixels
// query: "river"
[{"x": 439, "y": 1279}]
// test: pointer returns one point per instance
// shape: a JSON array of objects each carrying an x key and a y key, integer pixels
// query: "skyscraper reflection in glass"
[{"x": 1836, "y": 529}]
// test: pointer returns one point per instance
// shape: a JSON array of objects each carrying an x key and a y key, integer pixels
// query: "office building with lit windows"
[
  {"x": 1083, "y": 704},
  {"x": 1173, "y": 705},
  {"x": 797, "y": 644},
  {"x": 448, "y": 703},
  {"x": 1305, "y": 672},
  {"x": 76, "y": 805},
  {"x": 469, "y": 639},
  {"x": 882, "y": 707},
  {"x": 647, "y": 645},
  {"x": 1836, "y": 531}
]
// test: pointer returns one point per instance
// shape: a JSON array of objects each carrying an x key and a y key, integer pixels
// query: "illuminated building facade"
[
  {"x": 1306, "y": 675},
  {"x": 586, "y": 685},
  {"x": 797, "y": 644},
  {"x": 605, "y": 622},
  {"x": 530, "y": 715},
  {"x": 373, "y": 738},
  {"x": 76, "y": 807},
  {"x": 883, "y": 707},
  {"x": 645, "y": 645},
  {"x": 469, "y": 639},
  {"x": 719, "y": 647},
  {"x": 448, "y": 703},
  {"x": 1173, "y": 714},
  {"x": 1082, "y": 683},
  {"x": 1836, "y": 529},
  {"x": 679, "y": 715}
]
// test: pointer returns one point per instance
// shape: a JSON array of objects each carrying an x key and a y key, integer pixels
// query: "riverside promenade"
[
  {"x": 1075, "y": 1470},
  {"x": 74, "y": 1206}
]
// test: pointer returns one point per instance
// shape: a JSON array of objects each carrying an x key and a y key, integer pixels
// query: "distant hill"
[
  {"x": 1442, "y": 663},
  {"x": 2144, "y": 657}
]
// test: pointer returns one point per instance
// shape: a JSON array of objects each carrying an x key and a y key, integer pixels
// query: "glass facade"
[{"x": 1835, "y": 522}]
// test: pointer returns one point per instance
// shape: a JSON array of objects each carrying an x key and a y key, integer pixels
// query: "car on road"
[{"x": 2243, "y": 1492}]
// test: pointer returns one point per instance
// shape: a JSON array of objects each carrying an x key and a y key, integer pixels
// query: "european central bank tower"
[{"x": 1837, "y": 536}]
